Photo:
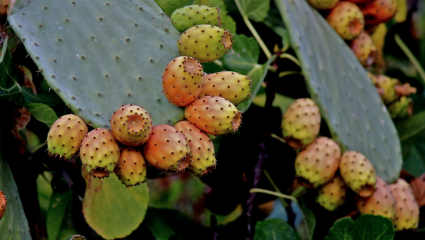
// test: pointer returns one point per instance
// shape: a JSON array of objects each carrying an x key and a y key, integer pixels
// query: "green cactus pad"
[
  {"x": 99, "y": 55},
  {"x": 340, "y": 86}
]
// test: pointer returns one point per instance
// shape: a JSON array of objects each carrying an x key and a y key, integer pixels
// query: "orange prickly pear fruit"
[{"x": 347, "y": 20}]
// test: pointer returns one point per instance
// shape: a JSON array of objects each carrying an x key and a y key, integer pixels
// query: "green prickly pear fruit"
[
  {"x": 185, "y": 17},
  {"x": 201, "y": 146},
  {"x": 301, "y": 123},
  {"x": 387, "y": 84},
  {"x": 206, "y": 43},
  {"x": 167, "y": 149},
  {"x": 381, "y": 202},
  {"x": 182, "y": 80},
  {"x": 401, "y": 108},
  {"x": 232, "y": 86},
  {"x": 65, "y": 136},
  {"x": 317, "y": 164},
  {"x": 131, "y": 125},
  {"x": 347, "y": 20},
  {"x": 131, "y": 168},
  {"x": 3, "y": 204},
  {"x": 213, "y": 115},
  {"x": 364, "y": 49},
  {"x": 358, "y": 173},
  {"x": 407, "y": 209},
  {"x": 99, "y": 152},
  {"x": 323, "y": 4},
  {"x": 332, "y": 194}
]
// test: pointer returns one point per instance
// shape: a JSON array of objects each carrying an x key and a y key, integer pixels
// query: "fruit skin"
[
  {"x": 301, "y": 123},
  {"x": 332, "y": 194},
  {"x": 317, "y": 164},
  {"x": 359, "y": 1},
  {"x": 358, "y": 173},
  {"x": 232, "y": 86},
  {"x": 387, "y": 84},
  {"x": 131, "y": 168},
  {"x": 131, "y": 125},
  {"x": 99, "y": 152},
  {"x": 201, "y": 146},
  {"x": 407, "y": 209},
  {"x": 381, "y": 202},
  {"x": 188, "y": 16},
  {"x": 167, "y": 149},
  {"x": 364, "y": 49},
  {"x": 206, "y": 43},
  {"x": 65, "y": 136},
  {"x": 378, "y": 11},
  {"x": 401, "y": 108},
  {"x": 347, "y": 20},
  {"x": 213, "y": 115},
  {"x": 3, "y": 204},
  {"x": 182, "y": 80},
  {"x": 323, "y": 4}
]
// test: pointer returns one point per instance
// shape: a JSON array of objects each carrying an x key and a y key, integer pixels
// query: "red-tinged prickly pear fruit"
[
  {"x": 167, "y": 149},
  {"x": 317, "y": 164},
  {"x": 206, "y": 43},
  {"x": 364, "y": 49},
  {"x": 387, "y": 84},
  {"x": 182, "y": 80},
  {"x": 358, "y": 173},
  {"x": 188, "y": 16},
  {"x": 332, "y": 194},
  {"x": 131, "y": 168},
  {"x": 381, "y": 202},
  {"x": 65, "y": 136},
  {"x": 99, "y": 152},
  {"x": 3, "y": 204},
  {"x": 301, "y": 123},
  {"x": 378, "y": 11},
  {"x": 232, "y": 86},
  {"x": 201, "y": 146},
  {"x": 407, "y": 209},
  {"x": 131, "y": 125},
  {"x": 401, "y": 108},
  {"x": 213, "y": 115},
  {"x": 347, "y": 20},
  {"x": 323, "y": 4}
]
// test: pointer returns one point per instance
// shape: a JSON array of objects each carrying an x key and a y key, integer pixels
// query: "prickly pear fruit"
[
  {"x": 65, "y": 136},
  {"x": 301, "y": 123},
  {"x": 364, "y": 49},
  {"x": 331, "y": 195},
  {"x": 358, "y": 173},
  {"x": 77, "y": 237},
  {"x": 201, "y": 146},
  {"x": 387, "y": 84},
  {"x": 3, "y": 204},
  {"x": 167, "y": 149},
  {"x": 232, "y": 86},
  {"x": 182, "y": 80},
  {"x": 99, "y": 152},
  {"x": 407, "y": 209},
  {"x": 401, "y": 108},
  {"x": 131, "y": 168},
  {"x": 317, "y": 163},
  {"x": 213, "y": 115},
  {"x": 206, "y": 43},
  {"x": 378, "y": 11},
  {"x": 381, "y": 202},
  {"x": 359, "y": 1},
  {"x": 185, "y": 17},
  {"x": 323, "y": 4},
  {"x": 347, "y": 20},
  {"x": 131, "y": 125}
]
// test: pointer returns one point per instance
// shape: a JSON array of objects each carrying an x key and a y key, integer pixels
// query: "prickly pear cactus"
[
  {"x": 347, "y": 99},
  {"x": 93, "y": 82}
]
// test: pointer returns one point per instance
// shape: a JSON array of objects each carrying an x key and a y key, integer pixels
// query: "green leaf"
[
  {"x": 57, "y": 215},
  {"x": 274, "y": 229},
  {"x": 341, "y": 230},
  {"x": 255, "y": 9},
  {"x": 14, "y": 224},
  {"x": 279, "y": 101},
  {"x": 415, "y": 163},
  {"x": 169, "y": 6},
  {"x": 348, "y": 100},
  {"x": 410, "y": 130},
  {"x": 42, "y": 113},
  {"x": 309, "y": 219},
  {"x": 112, "y": 209}
]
